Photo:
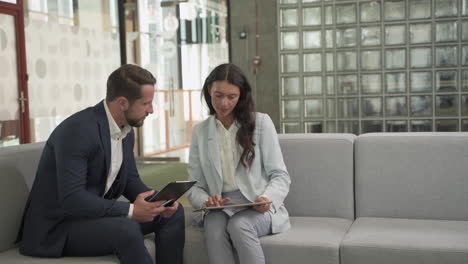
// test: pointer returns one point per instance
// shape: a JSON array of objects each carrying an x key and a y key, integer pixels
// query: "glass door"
[{"x": 14, "y": 116}]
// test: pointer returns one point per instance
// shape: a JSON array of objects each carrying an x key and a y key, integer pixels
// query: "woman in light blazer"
[{"x": 235, "y": 157}]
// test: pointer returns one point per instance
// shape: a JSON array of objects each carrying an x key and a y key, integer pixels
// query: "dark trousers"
[{"x": 124, "y": 237}]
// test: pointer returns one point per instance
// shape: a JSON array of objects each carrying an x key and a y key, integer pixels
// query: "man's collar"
[{"x": 115, "y": 131}]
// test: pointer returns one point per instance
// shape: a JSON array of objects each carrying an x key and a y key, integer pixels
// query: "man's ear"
[{"x": 123, "y": 103}]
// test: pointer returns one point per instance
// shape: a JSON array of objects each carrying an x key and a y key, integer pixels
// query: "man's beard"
[{"x": 133, "y": 122}]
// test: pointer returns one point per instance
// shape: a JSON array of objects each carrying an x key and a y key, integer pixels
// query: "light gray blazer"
[{"x": 266, "y": 176}]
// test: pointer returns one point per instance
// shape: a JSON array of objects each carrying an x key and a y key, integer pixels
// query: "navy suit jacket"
[{"x": 71, "y": 179}]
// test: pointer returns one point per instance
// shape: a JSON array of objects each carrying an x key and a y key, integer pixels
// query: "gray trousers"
[{"x": 225, "y": 236}]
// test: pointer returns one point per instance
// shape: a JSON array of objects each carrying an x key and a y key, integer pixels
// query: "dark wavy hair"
[{"x": 244, "y": 112}]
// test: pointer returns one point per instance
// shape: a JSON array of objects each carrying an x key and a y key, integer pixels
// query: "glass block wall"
[{"x": 373, "y": 66}]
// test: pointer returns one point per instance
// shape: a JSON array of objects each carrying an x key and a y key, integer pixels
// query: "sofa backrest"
[
  {"x": 412, "y": 175},
  {"x": 321, "y": 170},
  {"x": 18, "y": 166}
]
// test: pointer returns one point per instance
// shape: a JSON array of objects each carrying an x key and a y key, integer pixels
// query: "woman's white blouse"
[{"x": 228, "y": 151}]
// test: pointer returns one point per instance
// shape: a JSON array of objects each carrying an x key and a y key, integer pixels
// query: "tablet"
[
  {"x": 171, "y": 192},
  {"x": 232, "y": 206}
]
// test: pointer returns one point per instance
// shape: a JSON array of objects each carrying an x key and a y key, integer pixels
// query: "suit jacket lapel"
[
  {"x": 213, "y": 148},
  {"x": 104, "y": 132}
]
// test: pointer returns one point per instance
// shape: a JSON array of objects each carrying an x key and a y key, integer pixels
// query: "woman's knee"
[{"x": 239, "y": 225}]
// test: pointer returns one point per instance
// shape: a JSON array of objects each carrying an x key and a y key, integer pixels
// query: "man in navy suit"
[{"x": 87, "y": 163}]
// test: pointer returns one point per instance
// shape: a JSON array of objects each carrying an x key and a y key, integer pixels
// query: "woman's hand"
[
  {"x": 263, "y": 207},
  {"x": 216, "y": 200}
]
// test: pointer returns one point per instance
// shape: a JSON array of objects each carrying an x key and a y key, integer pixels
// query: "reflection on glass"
[
  {"x": 446, "y": 105},
  {"x": 291, "y": 109},
  {"x": 329, "y": 15},
  {"x": 312, "y": 16},
  {"x": 288, "y": 17},
  {"x": 329, "y": 61},
  {"x": 464, "y": 80},
  {"x": 395, "y": 82},
  {"x": 312, "y": 62},
  {"x": 446, "y": 56},
  {"x": 421, "y": 81},
  {"x": 314, "y": 127},
  {"x": 370, "y": 60},
  {"x": 420, "y": 9},
  {"x": 345, "y": 37},
  {"x": 330, "y": 85},
  {"x": 370, "y": 36},
  {"x": 312, "y": 85},
  {"x": 446, "y": 81},
  {"x": 396, "y": 106},
  {"x": 331, "y": 127},
  {"x": 370, "y": 11},
  {"x": 420, "y": 33},
  {"x": 464, "y": 105},
  {"x": 371, "y": 83},
  {"x": 397, "y": 126},
  {"x": 313, "y": 108},
  {"x": 347, "y": 84},
  {"x": 395, "y": 35},
  {"x": 289, "y": 63},
  {"x": 421, "y": 105},
  {"x": 331, "y": 113},
  {"x": 371, "y": 107},
  {"x": 329, "y": 38},
  {"x": 446, "y": 125},
  {"x": 395, "y": 58},
  {"x": 312, "y": 39},
  {"x": 346, "y": 61},
  {"x": 464, "y": 125},
  {"x": 421, "y": 125},
  {"x": 290, "y": 86},
  {"x": 345, "y": 14},
  {"x": 446, "y": 31},
  {"x": 289, "y": 40},
  {"x": 421, "y": 57},
  {"x": 348, "y": 127},
  {"x": 348, "y": 107},
  {"x": 291, "y": 128},
  {"x": 446, "y": 8},
  {"x": 372, "y": 126},
  {"x": 395, "y": 10}
]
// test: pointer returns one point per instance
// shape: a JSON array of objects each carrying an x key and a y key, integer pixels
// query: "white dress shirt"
[
  {"x": 117, "y": 135},
  {"x": 227, "y": 148}
]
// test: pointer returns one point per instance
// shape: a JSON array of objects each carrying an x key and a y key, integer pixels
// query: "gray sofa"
[{"x": 376, "y": 198}]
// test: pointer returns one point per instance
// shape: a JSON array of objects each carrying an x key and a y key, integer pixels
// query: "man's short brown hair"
[{"x": 126, "y": 81}]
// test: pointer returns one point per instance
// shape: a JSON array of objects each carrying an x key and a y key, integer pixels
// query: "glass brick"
[
  {"x": 329, "y": 42},
  {"x": 288, "y": 1},
  {"x": 395, "y": 10},
  {"x": 291, "y": 109},
  {"x": 421, "y": 81},
  {"x": 312, "y": 62},
  {"x": 312, "y": 39},
  {"x": 421, "y": 105},
  {"x": 314, "y": 127},
  {"x": 446, "y": 105},
  {"x": 346, "y": 61},
  {"x": 446, "y": 56},
  {"x": 345, "y": 14},
  {"x": 464, "y": 79},
  {"x": 465, "y": 30},
  {"x": 464, "y": 105},
  {"x": 464, "y": 55},
  {"x": 395, "y": 35},
  {"x": 371, "y": 126},
  {"x": 444, "y": 8},
  {"x": 446, "y": 125},
  {"x": 421, "y": 125},
  {"x": 420, "y": 57},
  {"x": 348, "y": 127},
  {"x": 370, "y": 11},
  {"x": 464, "y": 7},
  {"x": 348, "y": 107},
  {"x": 291, "y": 127},
  {"x": 371, "y": 106},
  {"x": 330, "y": 85},
  {"x": 370, "y": 36},
  {"x": 395, "y": 82},
  {"x": 371, "y": 83},
  {"x": 396, "y": 126},
  {"x": 420, "y": 9},
  {"x": 313, "y": 108},
  {"x": 329, "y": 15},
  {"x": 289, "y": 63},
  {"x": 370, "y": 60},
  {"x": 313, "y": 85},
  {"x": 446, "y": 31},
  {"x": 395, "y": 58},
  {"x": 331, "y": 127},
  {"x": 396, "y": 106},
  {"x": 289, "y": 40},
  {"x": 464, "y": 125},
  {"x": 345, "y": 37},
  {"x": 446, "y": 81},
  {"x": 330, "y": 62},
  {"x": 312, "y": 16},
  {"x": 347, "y": 84},
  {"x": 290, "y": 86},
  {"x": 331, "y": 113},
  {"x": 420, "y": 33},
  {"x": 288, "y": 17},
  {"x": 310, "y": 1}
]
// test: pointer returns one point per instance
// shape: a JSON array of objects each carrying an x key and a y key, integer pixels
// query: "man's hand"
[
  {"x": 144, "y": 211},
  {"x": 170, "y": 210},
  {"x": 263, "y": 207},
  {"x": 216, "y": 200}
]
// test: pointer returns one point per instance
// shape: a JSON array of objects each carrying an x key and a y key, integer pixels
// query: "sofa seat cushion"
[
  {"x": 405, "y": 241},
  {"x": 310, "y": 239}
]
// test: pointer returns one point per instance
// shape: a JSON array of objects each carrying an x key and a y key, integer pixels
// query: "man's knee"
[{"x": 127, "y": 230}]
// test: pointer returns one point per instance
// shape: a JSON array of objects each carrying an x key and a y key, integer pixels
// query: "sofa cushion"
[
  {"x": 405, "y": 241},
  {"x": 321, "y": 169},
  {"x": 412, "y": 175}
]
